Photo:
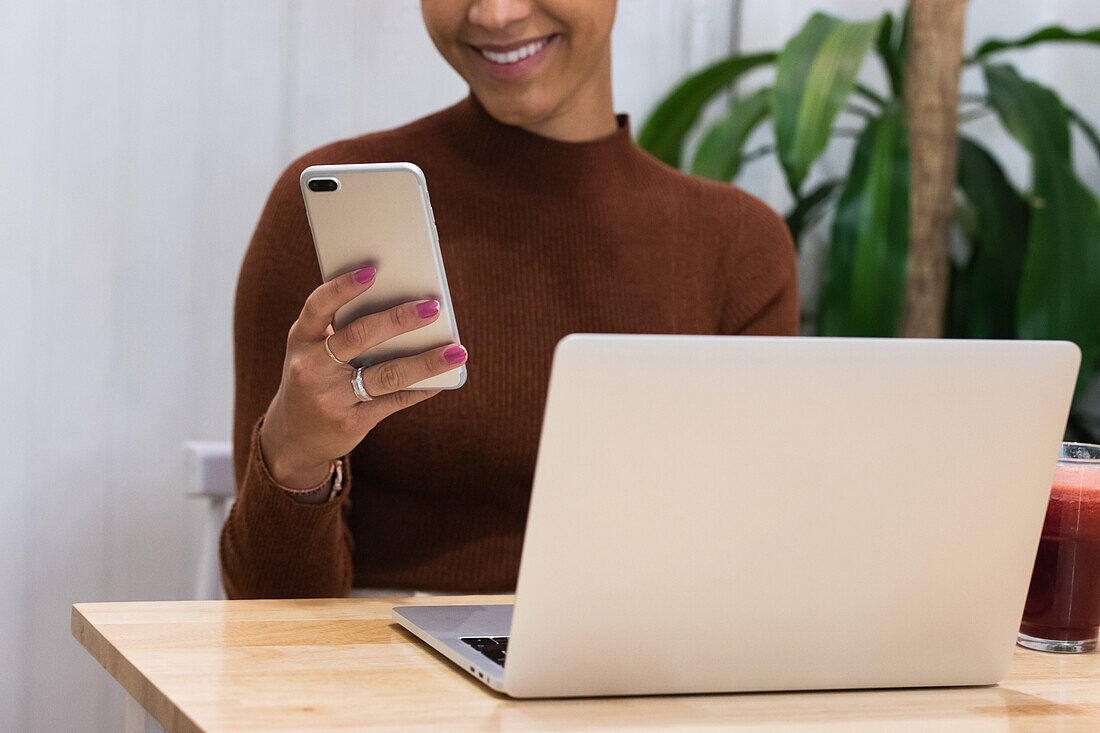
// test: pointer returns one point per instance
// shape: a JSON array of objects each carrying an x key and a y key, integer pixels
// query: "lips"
[
  {"x": 514, "y": 60},
  {"x": 513, "y": 54}
]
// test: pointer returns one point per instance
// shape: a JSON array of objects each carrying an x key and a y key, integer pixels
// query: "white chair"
[{"x": 208, "y": 472}]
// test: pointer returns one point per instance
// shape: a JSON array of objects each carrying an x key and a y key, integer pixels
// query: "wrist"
[
  {"x": 299, "y": 478},
  {"x": 324, "y": 492},
  {"x": 285, "y": 469}
]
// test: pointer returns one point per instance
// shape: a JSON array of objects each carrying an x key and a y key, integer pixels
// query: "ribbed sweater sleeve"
[{"x": 271, "y": 545}]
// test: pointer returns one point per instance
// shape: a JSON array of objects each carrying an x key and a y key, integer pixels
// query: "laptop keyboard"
[{"x": 494, "y": 647}]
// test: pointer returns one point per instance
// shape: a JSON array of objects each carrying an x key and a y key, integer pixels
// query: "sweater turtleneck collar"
[{"x": 511, "y": 149}]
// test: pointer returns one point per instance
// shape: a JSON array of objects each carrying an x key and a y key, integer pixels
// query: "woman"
[{"x": 551, "y": 221}]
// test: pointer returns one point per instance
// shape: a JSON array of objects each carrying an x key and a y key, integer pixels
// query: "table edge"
[{"x": 170, "y": 716}]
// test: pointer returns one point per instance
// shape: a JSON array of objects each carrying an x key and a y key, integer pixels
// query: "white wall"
[{"x": 139, "y": 142}]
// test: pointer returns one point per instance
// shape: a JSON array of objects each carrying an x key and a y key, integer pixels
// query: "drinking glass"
[{"x": 1062, "y": 613}]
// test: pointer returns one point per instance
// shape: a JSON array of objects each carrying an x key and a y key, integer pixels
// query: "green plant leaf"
[
  {"x": 719, "y": 155},
  {"x": 872, "y": 96},
  {"x": 808, "y": 210},
  {"x": 663, "y": 133},
  {"x": 815, "y": 74},
  {"x": 906, "y": 31},
  {"x": 1044, "y": 35},
  {"x": 982, "y": 302},
  {"x": 864, "y": 279},
  {"x": 1060, "y": 288},
  {"x": 1086, "y": 128},
  {"x": 1031, "y": 113},
  {"x": 891, "y": 55}
]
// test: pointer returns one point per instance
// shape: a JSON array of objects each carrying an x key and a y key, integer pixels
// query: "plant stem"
[{"x": 932, "y": 68}]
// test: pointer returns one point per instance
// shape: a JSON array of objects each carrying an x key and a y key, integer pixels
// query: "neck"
[{"x": 587, "y": 115}]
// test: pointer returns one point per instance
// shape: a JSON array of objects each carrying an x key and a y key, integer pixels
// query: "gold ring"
[{"x": 329, "y": 350}]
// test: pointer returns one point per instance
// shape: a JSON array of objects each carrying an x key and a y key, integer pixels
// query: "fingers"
[
  {"x": 322, "y": 303},
  {"x": 397, "y": 374},
  {"x": 384, "y": 406},
  {"x": 369, "y": 331}
]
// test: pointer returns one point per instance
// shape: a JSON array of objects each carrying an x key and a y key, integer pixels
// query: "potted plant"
[{"x": 1029, "y": 266}]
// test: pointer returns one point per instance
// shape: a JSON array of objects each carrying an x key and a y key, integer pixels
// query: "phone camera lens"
[{"x": 322, "y": 184}]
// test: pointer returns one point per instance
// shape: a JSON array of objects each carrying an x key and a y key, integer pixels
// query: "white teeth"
[{"x": 513, "y": 56}]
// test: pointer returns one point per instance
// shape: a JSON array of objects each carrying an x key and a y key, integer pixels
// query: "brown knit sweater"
[{"x": 540, "y": 238}]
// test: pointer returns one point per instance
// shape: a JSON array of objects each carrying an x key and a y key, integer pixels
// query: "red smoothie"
[{"x": 1063, "y": 602}]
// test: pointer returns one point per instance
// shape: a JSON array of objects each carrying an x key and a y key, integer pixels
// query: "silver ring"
[
  {"x": 329, "y": 350},
  {"x": 358, "y": 388}
]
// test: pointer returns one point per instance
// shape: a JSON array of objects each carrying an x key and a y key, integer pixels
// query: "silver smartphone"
[{"x": 379, "y": 214}]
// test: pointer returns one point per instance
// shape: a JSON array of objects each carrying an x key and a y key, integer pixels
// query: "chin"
[{"x": 519, "y": 109}]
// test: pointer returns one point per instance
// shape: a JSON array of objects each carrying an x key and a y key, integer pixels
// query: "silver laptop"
[{"x": 718, "y": 514}]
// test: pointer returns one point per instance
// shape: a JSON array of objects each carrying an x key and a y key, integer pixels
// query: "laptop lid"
[{"x": 717, "y": 513}]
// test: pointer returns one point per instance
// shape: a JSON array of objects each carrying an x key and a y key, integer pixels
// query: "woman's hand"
[{"x": 315, "y": 416}]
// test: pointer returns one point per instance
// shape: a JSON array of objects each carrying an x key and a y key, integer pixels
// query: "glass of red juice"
[{"x": 1062, "y": 613}]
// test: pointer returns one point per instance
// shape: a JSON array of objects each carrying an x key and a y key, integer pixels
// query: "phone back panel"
[{"x": 380, "y": 215}]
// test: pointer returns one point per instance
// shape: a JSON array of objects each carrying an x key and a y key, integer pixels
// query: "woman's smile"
[
  {"x": 514, "y": 60},
  {"x": 543, "y": 65}
]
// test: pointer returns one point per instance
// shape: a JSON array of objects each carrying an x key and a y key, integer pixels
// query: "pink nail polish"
[
  {"x": 364, "y": 275},
  {"x": 454, "y": 355},
  {"x": 428, "y": 308}
]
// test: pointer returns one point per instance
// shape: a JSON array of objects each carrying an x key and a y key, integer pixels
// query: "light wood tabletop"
[{"x": 340, "y": 664}]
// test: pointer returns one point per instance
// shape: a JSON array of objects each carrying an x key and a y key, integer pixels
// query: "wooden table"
[{"x": 341, "y": 664}]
